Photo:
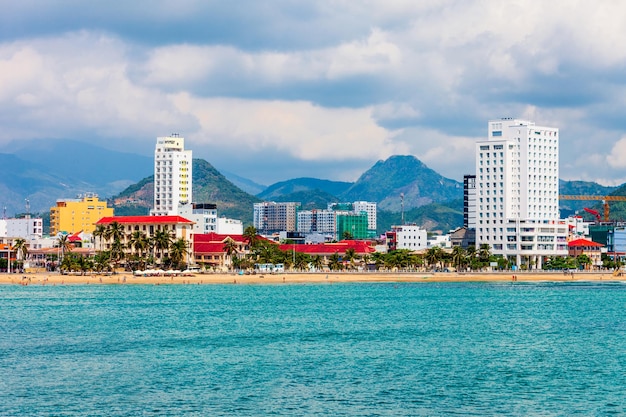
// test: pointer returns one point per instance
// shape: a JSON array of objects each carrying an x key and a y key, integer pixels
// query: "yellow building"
[{"x": 75, "y": 215}]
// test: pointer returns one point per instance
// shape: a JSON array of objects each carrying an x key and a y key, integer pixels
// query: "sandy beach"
[{"x": 291, "y": 278}]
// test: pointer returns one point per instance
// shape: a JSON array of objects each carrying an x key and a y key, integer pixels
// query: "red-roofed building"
[
  {"x": 326, "y": 250},
  {"x": 586, "y": 247},
  {"x": 208, "y": 249},
  {"x": 177, "y": 226}
]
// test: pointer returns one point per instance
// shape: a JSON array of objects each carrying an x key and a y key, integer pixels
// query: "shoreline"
[{"x": 48, "y": 278}]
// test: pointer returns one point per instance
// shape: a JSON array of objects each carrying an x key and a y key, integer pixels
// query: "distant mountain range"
[{"x": 44, "y": 171}]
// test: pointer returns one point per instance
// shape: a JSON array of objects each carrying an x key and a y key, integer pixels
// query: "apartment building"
[
  {"x": 271, "y": 217},
  {"x": 79, "y": 214},
  {"x": 517, "y": 194},
  {"x": 172, "y": 175}
]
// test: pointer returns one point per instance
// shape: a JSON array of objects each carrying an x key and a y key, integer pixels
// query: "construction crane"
[{"x": 605, "y": 200}]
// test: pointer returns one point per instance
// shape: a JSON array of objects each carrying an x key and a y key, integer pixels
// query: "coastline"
[{"x": 47, "y": 278}]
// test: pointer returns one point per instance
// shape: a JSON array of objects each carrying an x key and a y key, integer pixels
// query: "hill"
[
  {"x": 387, "y": 180},
  {"x": 209, "y": 186},
  {"x": 276, "y": 192}
]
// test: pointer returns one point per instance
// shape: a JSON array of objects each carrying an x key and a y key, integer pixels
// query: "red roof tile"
[
  {"x": 144, "y": 220},
  {"x": 583, "y": 242},
  {"x": 359, "y": 246}
]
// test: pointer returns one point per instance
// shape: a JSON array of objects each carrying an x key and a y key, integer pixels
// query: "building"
[
  {"x": 178, "y": 227},
  {"x": 172, "y": 175},
  {"x": 517, "y": 194},
  {"x": 76, "y": 215},
  {"x": 272, "y": 217},
  {"x": 327, "y": 250},
  {"x": 354, "y": 225},
  {"x": 358, "y": 207},
  {"x": 226, "y": 226},
  {"x": 209, "y": 249},
  {"x": 586, "y": 247},
  {"x": 26, "y": 228},
  {"x": 318, "y": 222},
  {"x": 204, "y": 216},
  {"x": 409, "y": 236},
  {"x": 469, "y": 201}
]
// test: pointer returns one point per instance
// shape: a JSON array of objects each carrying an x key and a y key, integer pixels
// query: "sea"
[{"x": 381, "y": 349}]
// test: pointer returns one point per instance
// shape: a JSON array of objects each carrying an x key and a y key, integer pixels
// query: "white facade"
[
  {"x": 271, "y": 217},
  {"x": 27, "y": 228},
  {"x": 517, "y": 194},
  {"x": 172, "y": 175},
  {"x": 370, "y": 209},
  {"x": 320, "y": 221},
  {"x": 204, "y": 216},
  {"x": 229, "y": 226},
  {"x": 410, "y": 237}
]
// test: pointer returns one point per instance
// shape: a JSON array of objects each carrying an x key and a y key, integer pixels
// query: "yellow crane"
[{"x": 605, "y": 200}]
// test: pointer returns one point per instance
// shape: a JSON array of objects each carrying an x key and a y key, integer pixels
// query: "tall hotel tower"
[
  {"x": 172, "y": 175},
  {"x": 517, "y": 192}
]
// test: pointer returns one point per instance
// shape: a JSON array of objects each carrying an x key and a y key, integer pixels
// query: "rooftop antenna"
[
  {"x": 27, "y": 208},
  {"x": 402, "y": 206},
  {"x": 4, "y": 212}
]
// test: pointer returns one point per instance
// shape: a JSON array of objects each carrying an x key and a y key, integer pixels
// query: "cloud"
[{"x": 320, "y": 81}]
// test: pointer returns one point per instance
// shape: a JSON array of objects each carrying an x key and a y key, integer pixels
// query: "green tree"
[
  {"x": 230, "y": 249},
  {"x": 251, "y": 236},
  {"x": 21, "y": 250},
  {"x": 178, "y": 252},
  {"x": 100, "y": 233},
  {"x": 334, "y": 263},
  {"x": 458, "y": 257},
  {"x": 161, "y": 242},
  {"x": 434, "y": 256},
  {"x": 317, "y": 262}
]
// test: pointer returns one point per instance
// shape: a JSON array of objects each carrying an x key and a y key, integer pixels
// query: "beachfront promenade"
[{"x": 47, "y": 278}]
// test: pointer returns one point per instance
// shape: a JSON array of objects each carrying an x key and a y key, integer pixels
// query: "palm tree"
[
  {"x": 21, "y": 250},
  {"x": 161, "y": 241},
  {"x": 350, "y": 256},
  {"x": 484, "y": 253},
  {"x": 333, "y": 262},
  {"x": 230, "y": 248},
  {"x": 178, "y": 252},
  {"x": 114, "y": 231},
  {"x": 318, "y": 262},
  {"x": 458, "y": 256},
  {"x": 64, "y": 244},
  {"x": 100, "y": 233},
  {"x": 433, "y": 255},
  {"x": 251, "y": 236}
]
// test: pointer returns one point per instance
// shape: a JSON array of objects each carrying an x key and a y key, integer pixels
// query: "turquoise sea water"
[{"x": 353, "y": 349}]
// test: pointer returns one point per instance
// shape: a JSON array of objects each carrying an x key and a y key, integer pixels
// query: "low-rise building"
[
  {"x": 409, "y": 236},
  {"x": 209, "y": 252},
  {"x": 586, "y": 247},
  {"x": 178, "y": 227},
  {"x": 80, "y": 214},
  {"x": 27, "y": 228}
]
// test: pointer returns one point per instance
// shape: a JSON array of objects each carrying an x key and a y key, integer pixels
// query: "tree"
[
  {"x": 333, "y": 262},
  {"x": 583, "y": 260},
  {"x": 433, "y": 256},
  {"x": 230, "y": 249},
  {"x": 100, "y": 233},
  {"x": 350, "y": 256},
  {"x": 347, "y": 236},
  {"x": 251, "y": 236},
  {"x": 317, "y": 262},
  {"x": 458, "y": 256},
  {"x": 63, "y": 242},
  {"x": 178, "y": 252},
  {"x": 484, "y": 253},
  {"x": 161, "y": 242},
  {"x": 21, "y": 249},
  {"x": 138, "y": 241}
]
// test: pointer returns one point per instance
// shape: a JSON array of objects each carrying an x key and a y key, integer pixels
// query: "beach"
[{"x": 47, "y": 278}]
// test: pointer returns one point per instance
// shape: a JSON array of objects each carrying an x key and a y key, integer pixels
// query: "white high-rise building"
[
  {"x": 172, "y": 175},
  {"x": 517, "y": 192}
]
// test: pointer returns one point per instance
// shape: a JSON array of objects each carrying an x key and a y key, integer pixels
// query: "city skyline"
[{"x": 324, "y": 89}]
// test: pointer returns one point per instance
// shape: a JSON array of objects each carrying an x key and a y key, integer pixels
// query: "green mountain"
[
  {"x": 434, "y": 217},
  {"x": 399, "y": 175},
  {"x": 209, "y": 186},
  {"x": 278, "y": 191}
]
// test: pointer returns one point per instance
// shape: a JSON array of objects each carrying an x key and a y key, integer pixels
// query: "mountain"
[
  {"x": 209, "y": 186},
  {"x": 581, "y": 188},
  {"x": 244, "y": 184},
  {"x": 434, "y": 217},
  {"x": 387, "y": 180},
  {"x": 276, "y": 192},
  {"x": 89, "y": 163}
]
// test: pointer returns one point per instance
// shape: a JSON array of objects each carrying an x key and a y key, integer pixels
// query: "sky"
[{"x": 274, "y": 90}]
